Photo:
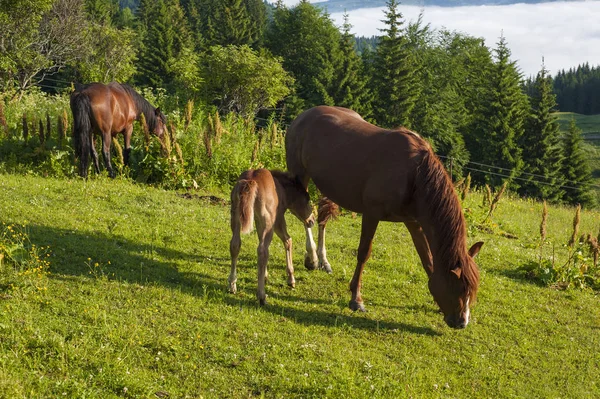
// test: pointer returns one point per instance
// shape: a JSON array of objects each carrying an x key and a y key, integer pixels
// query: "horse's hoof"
[
  {"x": 232, "y": 289},
  {"x": 309, "y": 264},
  {"x": 262, "y": 301},
  {"x": 292, "y": 284},
  {"x": 357, "y": 306},
  {"x": 326, "y": 266}
]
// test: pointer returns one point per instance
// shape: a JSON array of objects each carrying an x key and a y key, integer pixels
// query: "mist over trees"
[{"x": 248, "y": 57}]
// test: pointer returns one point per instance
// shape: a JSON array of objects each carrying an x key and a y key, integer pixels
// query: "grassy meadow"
[{"x": 128, "y": 299}]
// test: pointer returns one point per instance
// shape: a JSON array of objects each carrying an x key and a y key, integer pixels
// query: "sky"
[{"x": 565, "y": 34}]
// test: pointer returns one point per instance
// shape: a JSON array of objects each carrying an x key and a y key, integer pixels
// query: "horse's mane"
[
  {"x": 142, "y": 106},
  {"x": 447, "y": 217}
]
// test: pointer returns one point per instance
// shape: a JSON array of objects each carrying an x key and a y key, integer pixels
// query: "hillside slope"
[{"x": 135, "y": 305}]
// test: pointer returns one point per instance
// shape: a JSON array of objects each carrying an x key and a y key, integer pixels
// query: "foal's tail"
[
  {"x": 242, "y": 203},
  {"x": 82, "y": 130}
]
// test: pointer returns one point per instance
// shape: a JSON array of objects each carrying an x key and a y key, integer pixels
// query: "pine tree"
[
  {"x": 394, "y": 67},
  {"x": 500, "y": 121},
  {"x": 350, "y": 84},
  {"x": 576, "y": 169},
  {"x": 542, "y": 153}
]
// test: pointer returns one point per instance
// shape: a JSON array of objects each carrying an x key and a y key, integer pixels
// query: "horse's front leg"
[
  {"x": 422, "y": 246},
  {"x": 106, "y": 140},
  {"x": 127, "y": 142},
  {"x": 369, "y": 226},
  {"x": 281, "y": 231}
]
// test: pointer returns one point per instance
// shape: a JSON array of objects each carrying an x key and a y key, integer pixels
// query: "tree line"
[{"x": 246, "y": 56}]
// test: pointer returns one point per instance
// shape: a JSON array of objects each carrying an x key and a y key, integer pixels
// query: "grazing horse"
[
  {"x": 387, "y": 175},
  {"x": 264, "y": 196},
  {"x": 108, "y": 110}
]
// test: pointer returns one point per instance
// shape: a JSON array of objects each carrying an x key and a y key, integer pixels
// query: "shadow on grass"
[
  {"x": 74, "y": 254},
  {"x": 524, "y": 274}
]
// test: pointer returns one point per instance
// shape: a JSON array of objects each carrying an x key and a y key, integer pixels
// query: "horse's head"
[
  {"x": 455, "y": 289},
  {"x": 299, "y": 204},
  {"x": 161, "y": 123}
]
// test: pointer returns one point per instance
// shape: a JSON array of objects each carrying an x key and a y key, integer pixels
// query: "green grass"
[
  {"x": 136, "y": 306},
  {"x": 587, "y": 123}
]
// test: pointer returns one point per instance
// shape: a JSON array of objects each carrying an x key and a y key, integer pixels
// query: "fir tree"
[
  {"x": 308, "y": 42},
  {"x": 165, "y": 35},
  {"x": 542, "y": 153},
  {"x": 500, "y": 121},
  {"x": 576, "y": 169},
  {"x": 350, "y": 85},
  {"x": 394, "y": 73}
]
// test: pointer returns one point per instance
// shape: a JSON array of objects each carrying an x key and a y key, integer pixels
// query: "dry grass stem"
[{"x": 576, "y": 221}]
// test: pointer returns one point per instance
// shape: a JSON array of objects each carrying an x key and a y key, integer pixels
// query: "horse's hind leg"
[
  {"x": 265, "y": 235},
  {"x": 327, "y": 210},
  {"x": 106, "y": 141},
  {"x": 281, "y": 231},
  {"x": 94, "y": 154},
  {"x": 311, "y": 260},
  {"x": 234, "y": 249}
]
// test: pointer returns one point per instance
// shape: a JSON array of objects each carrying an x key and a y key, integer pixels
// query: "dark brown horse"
[
  {"x": 264, "y": 196},
  {"x": 108, "y": 110},
  {"x": 389, "y": 175}
]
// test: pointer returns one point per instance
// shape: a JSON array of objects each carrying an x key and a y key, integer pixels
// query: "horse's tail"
[
  {"x": 242, "y": 203},
  {"x": 82, "y": 130}
]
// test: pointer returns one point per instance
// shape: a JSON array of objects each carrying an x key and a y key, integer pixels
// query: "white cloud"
[{"x": 566, "y": 34}]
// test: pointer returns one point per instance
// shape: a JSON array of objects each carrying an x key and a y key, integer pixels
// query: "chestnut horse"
[
  {"x": 387, "y": 175},
  {"x": 264, "y": 196},
  {"x": 108, "y": 110}
]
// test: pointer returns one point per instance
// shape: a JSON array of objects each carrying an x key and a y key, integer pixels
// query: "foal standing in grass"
[{"x": 264, "y": 196}]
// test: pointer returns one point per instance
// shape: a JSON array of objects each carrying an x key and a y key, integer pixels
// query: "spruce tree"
[
  {"x": 350, "y": 84},
  {"x": 165, "y": 35},
  {"x": 500, "y": 122},
  {"x": 308, "y": 41},
  {"x": 542, "y": 153},
  {"x": 576, "y": 169},
  {"x": 394, "y": 69}
]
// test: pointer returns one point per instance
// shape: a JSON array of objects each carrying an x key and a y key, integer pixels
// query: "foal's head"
[
  {"x": 296, "y": 198},
  {"x": 455, "y": 288}
]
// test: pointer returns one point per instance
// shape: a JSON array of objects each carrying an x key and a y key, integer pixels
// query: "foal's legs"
[
  {"x": 281, "y": 231},
  {"x": 106, "y": 141},
  {"x": 369, "y": 226},
  {"x": 265, "y": 235},
  {"x": 234, "y": 250},
  {"x": 422, "y": 246}
]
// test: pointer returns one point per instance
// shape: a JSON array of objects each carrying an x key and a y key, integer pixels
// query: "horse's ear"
[
  {"x": 475, "y": 249},
  {"x": 157, "y": 112},
  {"x": 457, "y": 271}
]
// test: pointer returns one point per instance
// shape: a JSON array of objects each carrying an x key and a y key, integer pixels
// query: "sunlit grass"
[{"x": 136, "y": 306}]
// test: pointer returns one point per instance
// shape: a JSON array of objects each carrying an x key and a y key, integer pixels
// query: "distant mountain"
[{"x": 341, "y": 5}]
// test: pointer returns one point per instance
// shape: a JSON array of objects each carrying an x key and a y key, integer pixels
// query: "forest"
[{"x": 265, "y": 62}]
